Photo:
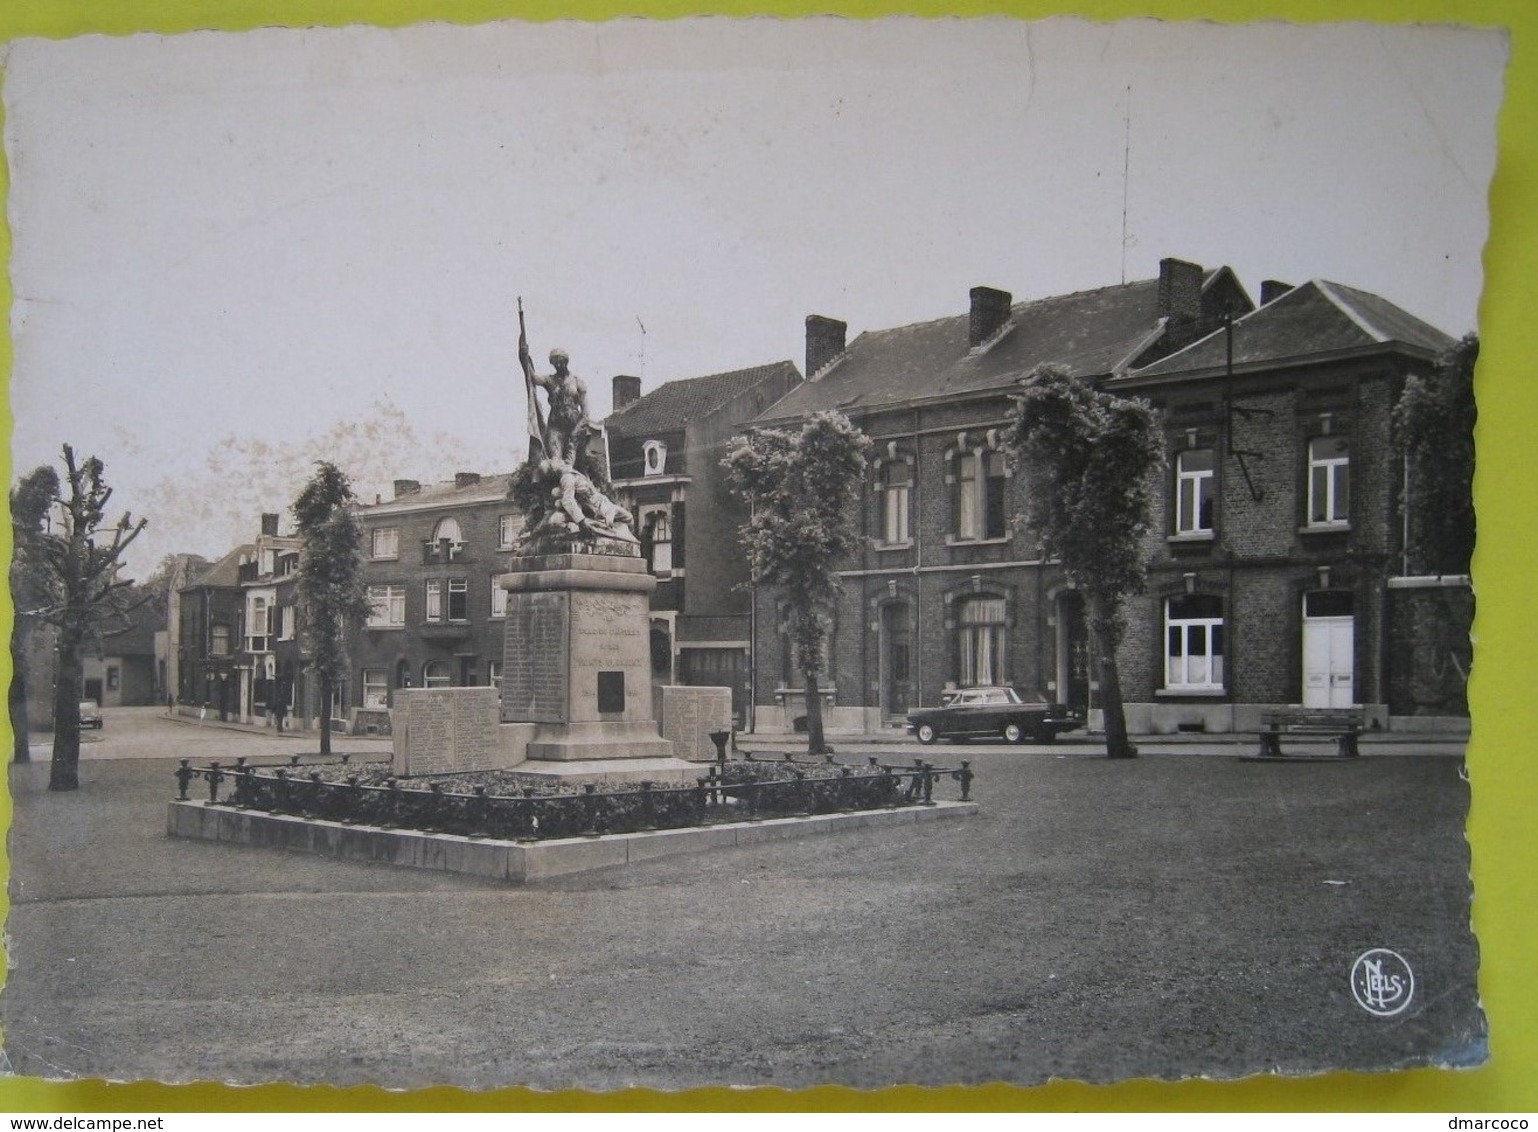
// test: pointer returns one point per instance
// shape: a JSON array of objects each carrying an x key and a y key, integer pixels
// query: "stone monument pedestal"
[{"x": 576, "y": 670}]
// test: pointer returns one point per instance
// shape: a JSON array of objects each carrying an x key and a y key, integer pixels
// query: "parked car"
[
  {"x": 1009, "y": 713},
  {"x": 90, "y": 714}
]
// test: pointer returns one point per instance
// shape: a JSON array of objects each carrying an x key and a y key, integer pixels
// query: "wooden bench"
[{"x": 1341, "y": 724}]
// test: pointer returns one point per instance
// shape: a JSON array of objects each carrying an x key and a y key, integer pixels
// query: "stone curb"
[{"x": 511, "y": 861}]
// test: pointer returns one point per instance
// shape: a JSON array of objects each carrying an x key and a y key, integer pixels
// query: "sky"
[{"x": 235, "y": 253}]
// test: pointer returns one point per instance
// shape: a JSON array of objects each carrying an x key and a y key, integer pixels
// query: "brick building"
[
  {"x": 431, "y": 556},
  {"x": 1276, "y": 535},
  {"x": 239, "y": 651},
  {"x": 1280, "y": 537},
  {"x": 663, "y": 449}
]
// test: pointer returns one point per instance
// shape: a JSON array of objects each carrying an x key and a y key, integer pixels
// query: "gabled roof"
[
  {"x": 675, "y": 404},
  {"x": 1089, "y": 333},
  {"x": 225, "y": 572},
  {"x": 1314, "y": 321}
]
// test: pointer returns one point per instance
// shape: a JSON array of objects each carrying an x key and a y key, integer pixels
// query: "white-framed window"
[
  {"x": 385, "y": 542},
  {"x": 896, "y": 499},
  {"x": 285, "y": 622},
  {"x": 257, "y": 626},
  {"x": 436, "y": 674},
  {"x": 507, "y": 532},
  {"x": 1193, "y": 643},
  {"x": 498, "y": 600},
  {"x": 494, "y": 673},
  {"x": 657, "y": 537},
  {"x": 434, "y": 604},
  {"x": 980, "y": 479},
  {"x": 459, "y": 599},
  {"x": 376, "y": 688},
  {"x": 980, "y": 624},
  {"x": 387, "y": 607},
  {"x": 654, "y": 457},
  {"x": 1195, "y": 490},
  {"x": 1329, "y": 480}
]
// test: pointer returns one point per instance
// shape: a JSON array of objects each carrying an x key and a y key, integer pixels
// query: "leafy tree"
[
  {"x": 1088, "y": 460},
  {"x": 802, "y": 488},
  {"x": 331, "y": 591},
  {"x": 66, "y": 569},
  {"x": 1434, "y": 433}
]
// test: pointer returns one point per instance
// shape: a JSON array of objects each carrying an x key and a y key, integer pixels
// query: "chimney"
[
  {"x": 270, "y": 523},
  {"x": 1272, "y": 289},
  {"x": 990, "y": 311},
  {"x": 627, "y": 391},
  {"x": 1180, "y": 289},
  {"x": 466, "y": 479},
  {"x": 406, "y": 487},
  {"x": 824, "y": 341}
]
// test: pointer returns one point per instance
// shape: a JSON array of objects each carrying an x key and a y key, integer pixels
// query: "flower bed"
[{"x": 512, "y": 806}]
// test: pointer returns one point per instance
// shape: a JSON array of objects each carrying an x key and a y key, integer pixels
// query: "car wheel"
[
  {"x": 1013, "y": 733},
  {"x": 926, "y": 733}
]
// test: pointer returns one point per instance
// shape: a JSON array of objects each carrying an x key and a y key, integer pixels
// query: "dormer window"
[{"x": 655, "y": 457}]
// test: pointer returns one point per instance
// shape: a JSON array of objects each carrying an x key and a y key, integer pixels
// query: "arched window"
[
  {"x": 980, "y": 624},
  {"x": 655, "y": 457},
  {"x": 448, "y": 531},
  {"x": 1194, "y": 645},
  {"x": 436, "y": 674}
]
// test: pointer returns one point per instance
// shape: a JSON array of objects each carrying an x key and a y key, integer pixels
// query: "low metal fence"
[{"x": 750, "y": 790}]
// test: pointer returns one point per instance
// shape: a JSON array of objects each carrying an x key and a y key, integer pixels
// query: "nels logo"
[{"x": 1382, "y": 982}]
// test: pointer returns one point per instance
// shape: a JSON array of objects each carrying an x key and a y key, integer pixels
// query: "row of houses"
[{"x": 1277, "y": 569}]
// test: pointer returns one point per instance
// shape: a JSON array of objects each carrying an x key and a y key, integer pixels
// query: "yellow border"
[{"x": 1503, "y": 770}]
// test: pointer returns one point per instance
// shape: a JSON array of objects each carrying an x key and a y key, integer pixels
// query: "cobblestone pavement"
[{"x": 1163, "y": 917}]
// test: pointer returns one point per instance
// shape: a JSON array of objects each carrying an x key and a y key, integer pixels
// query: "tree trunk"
[
  {"x": 1108, "y": 638},
  {"x": 64, "y": 773},
  {"x": 325, "y": 715},
  {"x": 815, "y": 743},
  {"x": 20, "y": 723}
]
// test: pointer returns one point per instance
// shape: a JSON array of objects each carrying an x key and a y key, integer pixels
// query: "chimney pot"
[
  {"x": 270, "y": 523},
  {"x": 1272, "y": 289},
  {"x": 406, "y": 487},
  {"x": 466, "y": 479},
  {"x": 824, "y": 342},
  {"x": 990, "y": 311},
  {"x": 627, "y": 391}
]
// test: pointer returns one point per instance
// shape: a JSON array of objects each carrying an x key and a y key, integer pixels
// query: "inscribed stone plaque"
[
  {"x": 534, "y": 672},
  {"x": 446, "y": 729},
  {"x": 690, "y": 714},
  {"x": 609, "y": 633}
]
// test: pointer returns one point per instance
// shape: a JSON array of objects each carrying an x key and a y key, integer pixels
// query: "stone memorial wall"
[
  {"x": 690, "y": 714},
  {"x": 438, "y": 730}
]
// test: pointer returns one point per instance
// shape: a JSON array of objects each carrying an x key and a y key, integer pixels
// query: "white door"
[{"x": 1329, "y": 648}]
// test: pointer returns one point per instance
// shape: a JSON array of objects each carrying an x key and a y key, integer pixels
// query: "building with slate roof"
[
  {"x": 1275, "y": 541},
  {"x": 664, "y": 450},
  {"x": 1276, "y": 570}
]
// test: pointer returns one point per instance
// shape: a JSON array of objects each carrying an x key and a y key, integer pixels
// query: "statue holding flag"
[{"x": 558, "y": 486}]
